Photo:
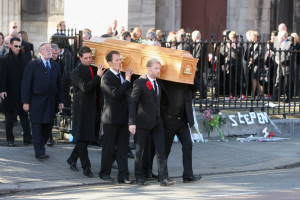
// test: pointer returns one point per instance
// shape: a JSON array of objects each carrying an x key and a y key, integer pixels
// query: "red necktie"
[{"x": 92, "y": 73}]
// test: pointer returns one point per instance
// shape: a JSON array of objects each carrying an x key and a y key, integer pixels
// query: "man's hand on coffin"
[
  {"x": 128, "y": 73},
  {"x": 100, "y": 70},
  {"x": 143, "y": 76}
]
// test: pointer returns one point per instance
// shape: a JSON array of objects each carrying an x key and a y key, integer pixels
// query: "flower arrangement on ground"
[{"x": 213, "y": 121}]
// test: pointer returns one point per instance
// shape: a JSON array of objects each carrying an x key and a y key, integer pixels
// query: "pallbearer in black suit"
[
  {"x": 41, "y": 92},
  {"x": 116, "y": 91},
  {"x": 86, "y": 101},
  {"x": 145, "y": 120},
  {"x": 177, "y": 113}
]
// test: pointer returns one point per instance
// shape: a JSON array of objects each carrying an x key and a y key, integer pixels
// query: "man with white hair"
[
  {"x": 282, "y": 27},
  {"x": 198, "y": 49},
  {"x": 41, "y": 92},
  {"x": 282, "y": 59}
]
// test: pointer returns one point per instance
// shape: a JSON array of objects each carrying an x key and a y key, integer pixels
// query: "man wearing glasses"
[
  {"x": 11, "y": 70},
  {"x": 41, "y": 94}
]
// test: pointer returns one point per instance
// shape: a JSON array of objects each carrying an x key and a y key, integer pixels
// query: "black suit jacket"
[
  {"x": 115, "y": 108},
  {"x": 11, "y": 72},
  {"x": 42, "y": 94},
  {"x": 144, "y": 106}
]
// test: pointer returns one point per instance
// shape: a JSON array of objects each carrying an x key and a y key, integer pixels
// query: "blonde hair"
[
  {"x": 152, "y": 62},
  {"x": 159, "y": 33},
  {"x": 295, "y": 36},
  {"x": 134, "y": 37},
  {"x": 232, "y": 34}
]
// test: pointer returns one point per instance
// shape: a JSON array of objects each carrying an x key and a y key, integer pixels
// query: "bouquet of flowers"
[
  {"x": 143, "y": 41},
  {"x": 213, "y": 121}
]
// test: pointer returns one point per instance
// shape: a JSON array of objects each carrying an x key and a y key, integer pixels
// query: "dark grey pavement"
[{"x": 21, "y": 171}]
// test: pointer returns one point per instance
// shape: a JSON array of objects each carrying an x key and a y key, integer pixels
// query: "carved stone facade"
[
  {"x": 40, "y": 17},
  {"x": 10, "y": 11},
  {"x": 244, "y": 15}
]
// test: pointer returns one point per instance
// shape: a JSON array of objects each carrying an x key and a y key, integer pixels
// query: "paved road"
[
  {"x": 20, "y": 170},
  {"x": 270, "y": 184}
]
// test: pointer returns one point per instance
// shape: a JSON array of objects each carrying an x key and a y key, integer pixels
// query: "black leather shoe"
[
  {"x": 88, "y": 173},
  {"x": 130, "y": 155},
  {"x": 125, "y": 181},
  {"x": 50, "y": 143},
  {"x": 191, "y": 179},
  {"x": 167, "y": 182},
  {"x": 42, "y": 157},
  {"x": 107, "y": 178},
  {"x": 11, "y": 144},
  {"x": 72, "y": 165},
  {"x": 141, "y": 182}
]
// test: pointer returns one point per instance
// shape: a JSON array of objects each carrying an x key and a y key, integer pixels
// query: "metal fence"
[
  {"x": 229, "y": 76},
  {"x": 70, "y": 41},
  {"x": 245, "y": 75}
]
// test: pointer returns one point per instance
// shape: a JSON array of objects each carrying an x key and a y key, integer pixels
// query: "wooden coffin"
[{"x": 177, "y": 65}]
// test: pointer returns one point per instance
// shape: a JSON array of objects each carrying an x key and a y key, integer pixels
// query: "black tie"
[
  {"x": 155, "y": 88},
  {"x": 48, "y": 69},
  {"x": 119, "y": 76}
]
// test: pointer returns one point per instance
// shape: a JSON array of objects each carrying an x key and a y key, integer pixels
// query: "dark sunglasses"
[{"x": 16, "y": 46}]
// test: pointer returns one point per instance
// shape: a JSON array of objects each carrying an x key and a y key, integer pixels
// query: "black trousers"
[
  {"x": 157, "y": 135},
  {"x": 183, "y": 134},
  {"x": 40, "y": 135},
  {"x": 80, "y": 151},
  {"x": 9, "y": 120},
  {"x": 148, "y": 156},
  {"x": 283, "y": 80},
  {"x": 115, "y": 140}
]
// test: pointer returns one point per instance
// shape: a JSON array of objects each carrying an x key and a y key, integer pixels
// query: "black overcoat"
[
  {"x": 11, "y": 72},
  {"x": 85, "y": 102},
  {"x": 42, "y": 94}
]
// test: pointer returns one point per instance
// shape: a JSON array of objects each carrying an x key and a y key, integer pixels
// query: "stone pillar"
[
  {"x": 296, "y": 24},
  {"x": 244, "y": 15},
  {"x": 141, "y": 13},
  {"x": 39, "y": 19},
  {"x": 168, "y": 15},
  {"x": 10, "y": 10}
]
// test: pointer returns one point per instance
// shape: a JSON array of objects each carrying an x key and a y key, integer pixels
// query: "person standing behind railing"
[
  {"x": 282, "y": 59},
  {"x": 255, "y": 64},
  {"x": 234, "y": 65},
  {"x": 268, "y": 74},
  {"x": 223, "y": 77},
  {"x": 197, "y": 52}
]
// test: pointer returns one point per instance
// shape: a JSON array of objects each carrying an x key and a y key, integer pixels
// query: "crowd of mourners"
[{"x": 54, "y": 81}]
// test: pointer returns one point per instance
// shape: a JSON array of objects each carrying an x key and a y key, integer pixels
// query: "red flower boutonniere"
[
  {"x": 23, "y": 50},
  {"x": 149, "y": 85}
]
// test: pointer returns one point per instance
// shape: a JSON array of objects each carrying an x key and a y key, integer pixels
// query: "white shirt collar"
[
  {"x": 44, "y": 61},
  {"x": 113, "y": 71},
  {"x": 116, "y": 73}
]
